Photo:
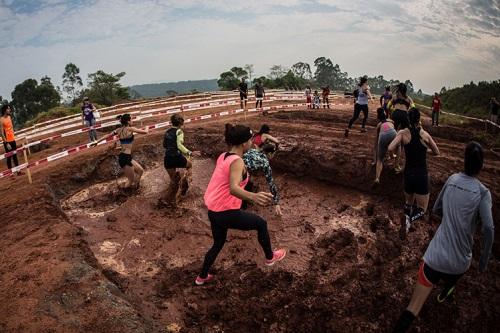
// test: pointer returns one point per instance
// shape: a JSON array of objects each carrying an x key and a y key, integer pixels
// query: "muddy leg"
[
  {"x": 420, "y": 295},
  {"x": 138, "y": 172},
  {"x": 185, "y": 180},
  {"x": 128, "y": 171}
]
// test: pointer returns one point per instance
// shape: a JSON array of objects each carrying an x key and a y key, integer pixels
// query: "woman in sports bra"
[
  {"x": 385, "y": 134},
  {"x": 399, "y": 106},
  {"x": 132, "y": 170},
  {"x": 223, "y": 199},
  {"x": 263, "y": 137},
  {"x": 416, "y": 141}
]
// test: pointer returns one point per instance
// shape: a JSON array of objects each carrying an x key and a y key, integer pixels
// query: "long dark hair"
[
  {"x": 264, "y": 129},
  {"x": 414, "y": 119},
  {"x": 381, "y": 116},
  {"x": 474, "y": 157},
  {"x": 401, "y": 89},
  {"x": 124, "y": 119},
  {"x": 237, "y": 134},
  {"x": 362, "y": 80}
]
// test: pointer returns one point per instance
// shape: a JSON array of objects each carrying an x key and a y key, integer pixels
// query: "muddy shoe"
[
  {"x": 376, "y": 183},
  {"x": 397, "y": 169},
  {"x": 201, "y": 281},
  {"x": 446, "y": 294},
  {"x": 346, "y": 133},
  {"x": 363, "y": 130},
  {"x": 278, "y": 255}
]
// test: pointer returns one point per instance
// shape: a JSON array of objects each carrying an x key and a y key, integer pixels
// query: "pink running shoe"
[
  {"x": 200, "y": 281},
  {"x": 278, "y": 255}
]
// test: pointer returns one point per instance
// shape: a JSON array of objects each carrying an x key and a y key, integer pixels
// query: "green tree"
[
  {"x": 29, "y": 99},
  {"x": 105, "y": 88},
  {"x": 277, "y": 72},
  {"x": 239, "y": 72},
  {"x": 249, "y": 69},
  {"x": 228, "y": 81},
  {"x": 302, "y": 70},
  {"x": 71, "y": 81}
]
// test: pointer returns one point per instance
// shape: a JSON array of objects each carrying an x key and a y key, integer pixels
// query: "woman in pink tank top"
[
  {"x": 385, "y": 134},
  {"x": 223, "y": 199}
]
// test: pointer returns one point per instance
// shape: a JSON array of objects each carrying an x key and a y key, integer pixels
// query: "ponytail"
[
  {"x": 124, "y": 119},
  {"x": 237, "y": 134}
]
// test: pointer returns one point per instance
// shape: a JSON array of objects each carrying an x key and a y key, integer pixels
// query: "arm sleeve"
[
  {"x": 180, "y": 142},
  {"x": 487, "y": 230},
  {"x": 270, "y": 181},
  {"x": 438, "y": 205}
]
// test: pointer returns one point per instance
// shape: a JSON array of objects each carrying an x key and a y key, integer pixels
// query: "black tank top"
[
  {"x": 416, "y": 154},
  {"x": 170, "y": 142}
]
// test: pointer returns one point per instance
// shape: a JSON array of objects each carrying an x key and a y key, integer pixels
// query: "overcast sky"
[{"x": 433, "y": 43}]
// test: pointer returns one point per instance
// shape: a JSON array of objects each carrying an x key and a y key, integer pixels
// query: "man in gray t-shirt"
[{"x": 463, "y": 202}]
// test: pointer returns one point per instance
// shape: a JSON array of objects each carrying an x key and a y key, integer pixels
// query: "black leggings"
[
  {"x": 234, "y": 219},
  {"x": 13, "y": 146},
  {"x": 357, "y": 110}
]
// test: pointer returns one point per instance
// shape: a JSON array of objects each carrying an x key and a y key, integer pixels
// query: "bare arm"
[
  {"x": 270, "y": 138},
  {"x": 236, "y": 171},
  {"x": 104, "y": 138},
  {"x": 376, "y": 143},
  {"x": 138, "y": 130},
  {"x": 2, "y": 132},
  {"x": 396, "y": 142},
  {"x": 431, "y": 143}
]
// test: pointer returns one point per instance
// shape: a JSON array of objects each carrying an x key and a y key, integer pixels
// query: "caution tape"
[{"x": 83, "y": 147}]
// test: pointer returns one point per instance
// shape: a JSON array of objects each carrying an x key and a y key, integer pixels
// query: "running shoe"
[
  {"x": 201, "y": 281},
  {"x": 363, "y": 130},
  {"x": 444, "y": 295},
  {"x": 278, "y": 255},
  {"x": 346, "y": 133},
  {"x": 397, "y": 169}
]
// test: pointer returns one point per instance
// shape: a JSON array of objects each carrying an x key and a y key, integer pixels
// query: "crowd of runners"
[{"x": 461, "y": 201}]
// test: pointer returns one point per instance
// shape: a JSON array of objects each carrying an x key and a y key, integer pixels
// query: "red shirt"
[{"x": 436, "y": 104}]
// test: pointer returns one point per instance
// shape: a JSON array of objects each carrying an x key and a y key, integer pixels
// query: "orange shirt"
[{"x": 8, "y": 129}]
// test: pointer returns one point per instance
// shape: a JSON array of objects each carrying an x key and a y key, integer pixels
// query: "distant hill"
[{"x": 160, "y": 89}]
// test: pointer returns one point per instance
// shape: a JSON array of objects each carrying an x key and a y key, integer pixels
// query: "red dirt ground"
[{"x": 80, "y": 255}]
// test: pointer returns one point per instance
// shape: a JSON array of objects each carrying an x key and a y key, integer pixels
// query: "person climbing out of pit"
[
  {"x": 308, "y": 94},
  {"x": 256, "y": 161},
  {"x": 223, "y": 199},
  {"x": 399, "y": 107},
  {"x": 385, "y": 135},
  {"x": 361, "y": 105},
  {"x": 384, "y": 101},
  {"x": 416, "y": 141},
  {"x": 316, "y": 100},
  {"x": 177, "y": 156},
  {"x": 243, "y": 89},
  {"x": 132, "y": 170},
  {"x": 263, "y": 136},
  {"x": 326, "y": 94},
  {"x": 260, "y": 94},
  {"x": 462, "y": 200}
]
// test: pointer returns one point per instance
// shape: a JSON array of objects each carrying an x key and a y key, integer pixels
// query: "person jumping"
[{"x": 361, "y": 105}]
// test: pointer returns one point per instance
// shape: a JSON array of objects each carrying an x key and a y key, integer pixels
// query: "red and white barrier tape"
[{"x": 82, "y": 147}]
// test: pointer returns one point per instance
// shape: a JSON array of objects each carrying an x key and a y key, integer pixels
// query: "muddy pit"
[{"x": 347, "y": 269}]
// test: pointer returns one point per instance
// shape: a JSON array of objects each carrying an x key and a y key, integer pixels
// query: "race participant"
[
  {"x": 260, "y": 94},
  {"x": 361, "y": 104},
  {"x": 316, "y": 100},
  {"x": 132, "y": 170},
  {"x": 243, "y": 88},
  {"x": 461, "y": 201},
  {"x": 494, "y": 107},
  {"x": 436, "y": 107},
  {"x": 384, "y": 100},
  {"x": 223, "y": 199},
  {"x": 8, "y": 137},
  {"x": 257, "y": 160},
  {"x": 385, "y": 134},
  {"x": 177, "y": 156},
  {"x": 416, "y": 141},
  {"x": 326, "y": 94},
  {"x": 398, "y": 107},
  {"x": 308, "y": 97},
  {"x": 88, "y": 117},
  {"x": 263, "y": 136}
]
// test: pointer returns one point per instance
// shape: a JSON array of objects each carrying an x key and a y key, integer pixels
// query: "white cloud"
[{"x": 426, "y": 41}]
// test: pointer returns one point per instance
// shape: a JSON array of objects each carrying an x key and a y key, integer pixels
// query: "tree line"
[
  {"x": 470, "y": 99},
  {"x": 300, "y": 75},
  {"x": 31, "y": 98}
]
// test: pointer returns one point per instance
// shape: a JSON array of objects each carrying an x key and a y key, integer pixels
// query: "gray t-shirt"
[{"x": 461, "y": 202}]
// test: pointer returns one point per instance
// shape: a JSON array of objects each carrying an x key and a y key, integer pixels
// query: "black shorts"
[
  {"x": 416, "y": 183},
  {"x": 243, "y": 96},
  {"x": 175, "y": 161},
  {"x": 429, "y": 277},
  {"x": 124, "y": 160},
  {"x": 400, "y": 119}
]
